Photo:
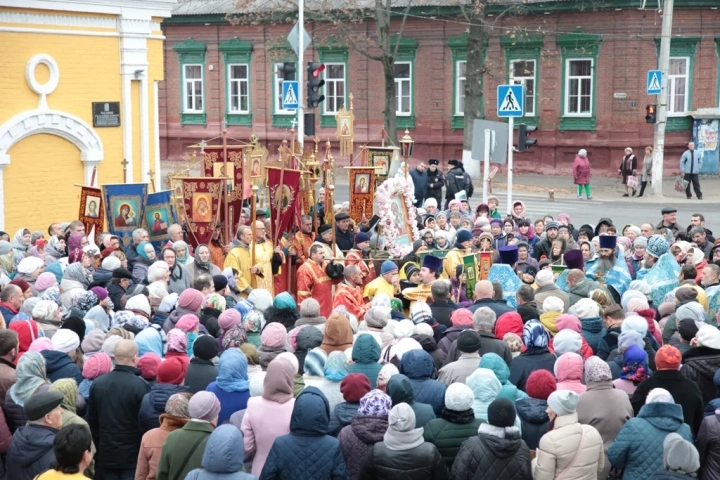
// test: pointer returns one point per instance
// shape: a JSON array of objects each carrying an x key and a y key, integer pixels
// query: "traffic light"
[
  {"x": 314, "y": 82},
  {"x": 525, "y": 142},
  {"x": 309, "y": 124},
  {"x": 650, "y": 111},
  {"x": 287, "y": 71}
]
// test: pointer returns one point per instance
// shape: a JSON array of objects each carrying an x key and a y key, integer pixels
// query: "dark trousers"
[
  {"x": 124, "y": 474},
  {"x": 694, "y": 180},
  {"x": 642, "y": 188}
]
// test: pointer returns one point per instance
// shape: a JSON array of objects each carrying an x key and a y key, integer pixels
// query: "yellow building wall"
[{"x": 89, "y": 69}]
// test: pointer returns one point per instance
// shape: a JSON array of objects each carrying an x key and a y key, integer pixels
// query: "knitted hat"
[
  {"x": 228, "y": 319},
  {"x": 377, "y": 317},
  {"x": 220, "y": 282},
  {"x": 691, "y": 310},
  {"x": 679, "y": 455},
  {"x": 284, "y": 300},
  {"x": 501, "y": 413},
  {"x": 148, "y": 365},
  {"x": 630, "y": 337},
  {"x": 386, "y": 372},
  {"x": 459, "y": 397},
  {"x": 637, "y": 304},
  {"x": 109, "y": 344},
  {"x": 388, "y": 267},
  {"x": 567, "y": 321},
  {"x": 361, "y": 237},
  {"x": 468, "y": 341},
  {"x": 420, "y": 313},
  {"x": 23, "y": 284},
  {"x": 29, "y": 264},
  {"x": 172, "y": 370},
  {"x": 688, "y": 328},
  {"x": 553, "y": 304},
  {"x": 657, "y": 246},
  {"x": 540, "y": 384},
  {"x": 567, "y": 341},
  {"x": 544, "y": 277},
  {"x": 204, "y": 406},
  {"x": 597, "y": 370},
  {"x": 551, "y": 224},
  {"x": 461, "y": 316},
  {"x": 640, "y": 242},
  {"x": 404, "y": 328},
  {"x": 563, "y": 402},
  {"x": 45, "y": 310},
  {"x": 93, "y": 341},
  {"x": 188, "y": 322},
  {"x": 77, "y": 325},
  {"x": 65, "y": 341},
  {"x": 100, "y": 293},
  {"x": 315, "y": 362},
  {"x": 463, "y": 236},
  {"x": 375, "y": 403},
  {"x": 309, "y": 308},
  {"x": 44, "y": 281},
  {"x": 636, "y": 323},
  {"x": 659, "y": 395},
  {"x": 668, "y": 358},
  {"x": 139, "y": 303},
  {"x": 206, "y": 347},
  {"x": 354, "y": 386},
  {"x": 423, "y": 329},
  {"x": 587, "y": 308},
  {"x": 96, "y": 365},
  {"x": 190, "y": 299},
  {"x": 111, "y": 262},
  {"x": 273, "y": 335}
]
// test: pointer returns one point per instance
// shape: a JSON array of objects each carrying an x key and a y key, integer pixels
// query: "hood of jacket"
[
  {"x": 582, "y": 287},
  {"x": 369, "y": 429},
  {"x": 366, "y": 349},
  {"x": 311, "y": 414},
  {"x": 32, "y": 442},
  {"x": 55, "y": 360},
  {"x": 532, "y": 410},
  {"x": 417, "y": 365},
  {"x": 592, "y": 324},
  {"x": 161, "y": 392},
  {"x": 400, "y": 389},
  {"x": 225, "y": 450},
  {"x": 502, "y": 447},
  {"x": 662, "y": 415},
  {"x": 346, "y": 411},
  {"x": 569, "y": 368},
  {"x": 494, "y": 362},
  {"x": 484, "y": 384},
  {"x": 427, "y": 342},
  {"x": 603, "y": 220}
]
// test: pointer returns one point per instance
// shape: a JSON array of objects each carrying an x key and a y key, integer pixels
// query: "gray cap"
[
  {"x": 40, "y": 404},
  {"x": 679, "y": 455},
  {"x": 563, "y": 402},
  {"x": 5, "y": 247}
]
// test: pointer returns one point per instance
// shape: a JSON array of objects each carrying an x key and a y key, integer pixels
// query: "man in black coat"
[
  {"x": 442, "y": 307},
  {"x": 113, "y": 409},
  {"x": 117, "y": 289},
  {"x": 685, "y": 392},
  {"x": 456, "y": 180},
  {"x": 344, "y": 236},
  {"x": 436, "y": 181},
  {"x": 420, "y": 182}
]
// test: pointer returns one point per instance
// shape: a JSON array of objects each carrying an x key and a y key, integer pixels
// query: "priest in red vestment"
[
  {"x": 360, "y": 255},
  {"x": 349, "y": 293},
  {"x": 314, "y": 282}
]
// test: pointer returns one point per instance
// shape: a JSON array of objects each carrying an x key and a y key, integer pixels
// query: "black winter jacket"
[
  {"x": 153, "y": 405},
  {"x": 708, "y": 445},
  {"x": 420, "y": 463},
  {"x": 436, "y": 181},
  {"x": 30, "y": 452},
  {"x": 449, "y": 432},
  {"x": 113, "y": 410},
  {"x": 457, "y": 180},
  {"x": 209, "y": 318},
  {"x": 527, "y": 362},
  {"x": 489, "y": 456},
  {"x": 59, "y": 365},
  {"x": 699, "y": 365},
  {"x": 420, "y": 181},
  {"x": 441, "y": 311},
  {"x": 534, "y": 421},
  {"x": 200, "y": 373}
]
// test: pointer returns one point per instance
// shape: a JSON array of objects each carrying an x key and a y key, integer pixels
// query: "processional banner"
[
  {"x": 284, "y": 188},
  {"x": 92, "y": 213},
  {"x": 201, "y": 205},
  {"x": 125, "y": 208},
  {"x": 159, "y": 215}
]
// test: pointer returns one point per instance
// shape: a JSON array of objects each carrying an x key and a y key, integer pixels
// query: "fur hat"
[{"x": 501, "y": 413}]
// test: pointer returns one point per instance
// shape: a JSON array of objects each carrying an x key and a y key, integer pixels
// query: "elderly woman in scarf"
[
  {"x": 146, "y": 257},
  {"x": 21, "y": 244},
  {"x": 75, "y": 282},
  {"x": 177, "y": 345},
  {"x": 179, "y": 278},
  {"x": 54, "y": 249},
  {"x": 231, "y": 386},
  {"x": 31, "y": 377},
  {"x": 29, "y": 269},
  {"x": 69, "y": 388},
  {"x": 202, "y": 263},
  {"x": 536, "y": 355},
  {"x": 7, "y": 262},
  {"x": 182, "y": 253}
]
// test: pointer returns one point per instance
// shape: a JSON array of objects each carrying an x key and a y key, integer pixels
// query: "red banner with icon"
[
  {"x": 284, "y": 188},
  {"x": 91, "y": 212},
  {"x": 201, "y": 202}
]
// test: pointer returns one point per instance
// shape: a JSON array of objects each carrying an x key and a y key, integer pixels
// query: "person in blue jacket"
[
  {"x": 224, "y": 456},
  {"x": 231, "y": 386},
  {"x": 419, "y": 367},
  {"x": 307, "y": 452},
  {"x": 365, "y": 355}
]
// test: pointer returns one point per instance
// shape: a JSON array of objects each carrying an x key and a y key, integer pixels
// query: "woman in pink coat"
[
  {"x": 268, "y": 417},
  {"x": 569, "y": 372},
  {"x": 581, "y": 173}
]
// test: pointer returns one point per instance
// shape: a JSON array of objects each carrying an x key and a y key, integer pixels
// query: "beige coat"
[
  {"x": 558, "y": 456},
  {"x": 551, "y": 291}
]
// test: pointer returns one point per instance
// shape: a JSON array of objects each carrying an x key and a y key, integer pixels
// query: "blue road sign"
[
  {"x": 654, "y": 82},
  {"x": 510, "y": 101},
  {"x": 290, "y": 95}
]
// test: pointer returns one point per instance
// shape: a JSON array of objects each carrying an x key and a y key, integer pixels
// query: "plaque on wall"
[{"x": 106, "y": 114}]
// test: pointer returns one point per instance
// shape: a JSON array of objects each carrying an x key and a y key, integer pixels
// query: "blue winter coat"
[
  {"x": 307, "y": 453},
  {"x": 639, "y": 446},
  {"x": 224, "y": 456},
  {"x": 418, "y": 366},
  {"x": 593, "y": 330},
  {"x": 59, "y": 365},
  {"x": 153, "y": 404},
  {"x": 230, "y": 402},
  {"x": 30, "y": 453},
  {"x": 342, "y": 416},
  {"x": 365, "y": 354},
  {"x": 494, "y": 362},
  {"x": 534, "y": 420}
]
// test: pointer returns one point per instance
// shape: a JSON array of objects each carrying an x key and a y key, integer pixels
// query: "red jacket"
[{"x": 581, "y": 170}]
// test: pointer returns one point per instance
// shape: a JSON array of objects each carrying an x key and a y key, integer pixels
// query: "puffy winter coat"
[
  {"x": 502, "y": 372},
  {"x": 289, "y": 457},
  {"x": 527, "y": 362},
  {"x": 401, "y": 390},
  {"x": 593, "y": 331},
  {"x": 153, "y": 405},
  {"x": 418, "y": 366},
  {"x": 639, "y": 446},
  {"x": 358, "y": 438},
  {"x": 497, "y": 453},
  {"x": 581, "y": 170},
  {"x": 59, "y": 365},
  {"x": 223, "y": 457},
  {"x": 31, "y": 452},
  {"x": 708, "y": 445},
  {"x": 420, "y": 463},
  {"x": 699, "y": 364},
  {"x": 341, "y": 416},
  {"x": 365, "y": 354},
  {"x": 534, "y": 420},
  {"x": 570, "y": 448},
  {"x": 200, "y": 373},
  {"x": 449, "y": 432}
]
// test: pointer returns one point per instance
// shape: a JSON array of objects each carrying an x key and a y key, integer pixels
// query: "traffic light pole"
[
  {"x": 299, "y": 74},
  {"x": 659, "y": 141}
]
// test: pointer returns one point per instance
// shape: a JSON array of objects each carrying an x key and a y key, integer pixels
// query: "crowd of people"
[{"x": 558, "y": 352}]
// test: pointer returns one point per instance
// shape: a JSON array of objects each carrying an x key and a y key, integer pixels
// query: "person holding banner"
[
  {"x": 265, "y": 257},
  {"x": 302, "y": 240},
  {"x": 314, "y": 282}
]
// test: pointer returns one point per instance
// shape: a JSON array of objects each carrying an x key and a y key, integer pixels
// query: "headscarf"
[
  {"x": 235, "y": 337},
  {"x": 53, "y": 248},
  {"x": 69, "y": 388},
  {"x": 336, "y": 366},
  {"x": 232, "y": 371},
  {"x": 202, "y": 265},
  {"x": 634, "y": 365},
  {"x": 98, "y": 315},
  {"x": 151, "y": 340},
  {"x": 77, "y": 273},
  {"x": 177, "y": 405},
  {"x": 251, "y": 321},
  {"x": 177, "y": 341},
  {"x": 375, "y": 403},
  {"x": 18, "y": 242},
  {"x": 30, "y": 373},
  {"x": 279, "y": 381},
  {"x": 176, "y": 246},
  {"x": 74, "y": 247},
  {"x": 140, "y": 249},
  {"x": 535, "y": 335},
  {"x": 52, "y": 294},
  {"x": 86, "y": 301}
]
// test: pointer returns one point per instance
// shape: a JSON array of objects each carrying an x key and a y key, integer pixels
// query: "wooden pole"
[
  {"x": 225, "y": 201},
  {"x": 253, "y": 219},
  {"x": 331, "y": 188}
]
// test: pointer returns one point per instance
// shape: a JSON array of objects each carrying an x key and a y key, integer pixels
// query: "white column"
[
  {"x": 4, "y": 162},
  {"x": 88, "y": 166},
  {"x": 156, "y": 126},
  {"x": 127, "y": 125},
  {"x": 144, "y": 129}
]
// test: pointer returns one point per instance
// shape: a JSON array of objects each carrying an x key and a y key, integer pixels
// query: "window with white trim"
[
  {"x": 334, "y": 88},
  {"x": 279, "y": 91},
  {"x": 578, "y": 87},
  {"x": 238, "y": 82},
  {"x": 678, "y": 86},
  {"x": 193, "y": 80},
  {"x": 460, "y": 68},
  {"x": 403, "y": 88},
  {"x": 522, "y": 72}
]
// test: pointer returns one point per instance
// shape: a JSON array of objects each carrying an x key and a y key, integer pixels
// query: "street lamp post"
[{"x": 406, "y": 144}]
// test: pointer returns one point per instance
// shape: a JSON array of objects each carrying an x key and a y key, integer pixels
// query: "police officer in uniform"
[{"x": 436, "y": 181}]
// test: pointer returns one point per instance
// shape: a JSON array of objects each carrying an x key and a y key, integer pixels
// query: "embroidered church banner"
[
  {"x": 159, "y": 215},
  {"x": 284, "y": 200},
  {"x": 362, "y": 192},
  {"x": 214, "y": 166},
  {"x": 124, "y": 207},
  {"x": 92, "y": 213},
  {"x": 201, "y": 204}
]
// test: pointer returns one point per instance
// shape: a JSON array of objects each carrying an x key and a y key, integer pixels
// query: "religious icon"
[
  {"x": 345, "y": 127},
  {"x": 397, "y": 208},
  {"x": 126, "y": 213},
  {"x": 219, "y": 171},
  {"x": 159, "y": 224},
  {"x": 255, "y": 171},
  {"x": 283, "y": 198},
  {"x": 201, "y": 208},
  {"x": 381, "y": 162},
  {"x": 91, "y": 207},
  {"x": 362, "y": 183}
]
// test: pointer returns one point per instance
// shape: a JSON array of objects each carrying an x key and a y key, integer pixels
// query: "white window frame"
[
  {"x": 568, "y": 78},
  {"x": 277, "y": 102},
  {"x": 190, "y": 93},
  {"x": 239, "y": 81},
  {"x": 398, "y": 98},
  {"x": 671, "y": 88},
  {"x": 460, "y": 88},
  {"x": 329, "y": 89},
  {"x": 522, "y": 80}
]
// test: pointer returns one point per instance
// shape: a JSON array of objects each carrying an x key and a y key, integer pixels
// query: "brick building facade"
[{"x": 585, "y": 74}]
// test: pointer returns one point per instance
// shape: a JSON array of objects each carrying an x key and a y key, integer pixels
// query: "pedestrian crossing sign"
[
  {"x": 654, "y": 82},
  {"x": 510, "y": 101},
  {"x": 290, "y": 95}
]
